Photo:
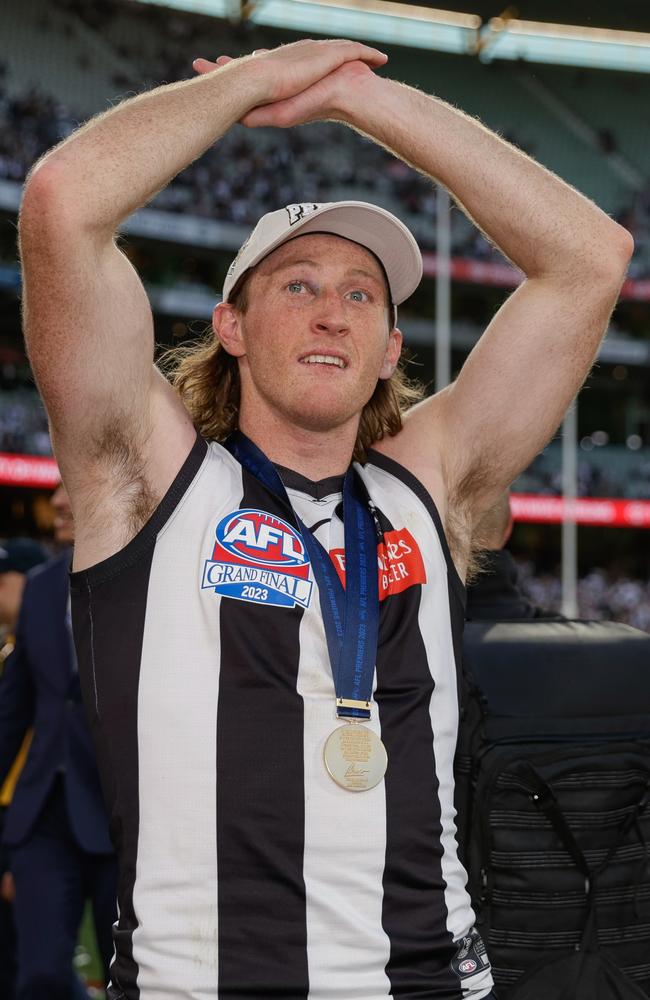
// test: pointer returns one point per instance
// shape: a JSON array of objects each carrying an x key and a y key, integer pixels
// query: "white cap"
[{"x": 370, "y": 226}]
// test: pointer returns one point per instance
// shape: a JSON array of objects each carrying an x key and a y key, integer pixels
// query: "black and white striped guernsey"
[{"x": 245, "y": 870}]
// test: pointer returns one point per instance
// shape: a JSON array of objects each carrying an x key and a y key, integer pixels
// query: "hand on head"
[{"x": 306, "y": 81}]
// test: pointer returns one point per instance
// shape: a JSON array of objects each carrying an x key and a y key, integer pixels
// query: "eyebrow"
[
  {"x": 292, "y": 263},
  {"x": 312, "y": 263}
]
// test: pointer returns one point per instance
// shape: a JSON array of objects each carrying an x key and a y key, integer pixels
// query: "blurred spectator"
[
  {"x": 56, "y": 827},
  {"x": 17, "y": 557}
]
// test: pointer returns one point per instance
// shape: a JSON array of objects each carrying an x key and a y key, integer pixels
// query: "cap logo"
[{"x": 298, "y": 212}]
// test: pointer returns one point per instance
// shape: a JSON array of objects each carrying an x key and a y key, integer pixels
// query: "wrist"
[
  {"x": 247, "y": 82},
  {"x": 356, "y": 105}
]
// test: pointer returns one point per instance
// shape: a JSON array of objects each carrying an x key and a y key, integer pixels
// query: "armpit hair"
[
  {"x": 118, "y": 454},
  {"x": 465, "y": 547}
]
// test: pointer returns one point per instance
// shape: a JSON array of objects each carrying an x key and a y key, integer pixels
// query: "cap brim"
[{"x": 371, "y": 227}]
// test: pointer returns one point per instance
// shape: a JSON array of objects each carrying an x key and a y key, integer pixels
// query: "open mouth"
[{"x": 323, "y": 359}]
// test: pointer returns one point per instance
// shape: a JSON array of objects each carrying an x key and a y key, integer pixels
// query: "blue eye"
[
  {"x": 293, "y": 285},
  {"x": 359, "y": 296}
]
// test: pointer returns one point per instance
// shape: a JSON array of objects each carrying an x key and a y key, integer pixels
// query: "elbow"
[
  {"x": 42, "y": 201},
  {"x": 50, "y": 206},
  {"x": 617, "y": 253},
  {"x": 601, "y": 264},
  {"x": 623, "y": 241},
  {"x": 597, "y": 260}
]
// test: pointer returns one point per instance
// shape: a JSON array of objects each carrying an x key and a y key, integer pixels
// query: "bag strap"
[{"x": 544, "y": 798}]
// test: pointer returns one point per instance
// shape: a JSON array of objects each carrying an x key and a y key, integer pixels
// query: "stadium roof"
[
  {"x": 472, "y": 27},
  {"x": 627, "y": 15}
]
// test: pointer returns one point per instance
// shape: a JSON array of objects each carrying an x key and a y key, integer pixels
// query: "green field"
[{"x": 86, "y": 960}]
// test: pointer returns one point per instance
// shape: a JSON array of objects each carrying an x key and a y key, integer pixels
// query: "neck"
[{"x": 314, "y": 454}]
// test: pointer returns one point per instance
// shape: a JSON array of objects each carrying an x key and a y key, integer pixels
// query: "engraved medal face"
[{"x": 355, "y": 757}]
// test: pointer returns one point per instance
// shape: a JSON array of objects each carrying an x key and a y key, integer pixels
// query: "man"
[
  {"x": 56, "y": 828},
  {"x": 17, "y": 557},
  {"x": 262, "y": 853},
  {"x": 495, "y": 593}
]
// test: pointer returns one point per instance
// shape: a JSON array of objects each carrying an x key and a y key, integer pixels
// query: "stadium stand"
[
  {"x": 23, "y": 423},
  {"x": 609, "y": 471},
  {"x": 104, "y": 53},
  {"x": 601, "y": 595}
]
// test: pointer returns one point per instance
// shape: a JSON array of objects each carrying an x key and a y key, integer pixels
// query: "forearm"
[
  {"x": 118, "y": 161},
  {"x": 542, "y": 224}
]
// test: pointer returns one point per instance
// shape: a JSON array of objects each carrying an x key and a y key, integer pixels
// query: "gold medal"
[{"x": 355, "y": 757}]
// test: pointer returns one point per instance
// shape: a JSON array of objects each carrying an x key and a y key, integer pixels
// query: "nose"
[{"x": 330, "y": 317}]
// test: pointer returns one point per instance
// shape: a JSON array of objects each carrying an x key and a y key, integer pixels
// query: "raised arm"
[
  {"x": 120, "y": 432},
  {"x": 517, "y": 383}
]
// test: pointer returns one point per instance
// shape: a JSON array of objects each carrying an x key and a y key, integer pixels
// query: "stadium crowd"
[
  {"x": 249, "y": 175},
  {"x": 624, "y": 474},
  {"x": 252, "y": 173},
  {"x": 601, "y": 595},
  {"x": 23, "y": 423}
]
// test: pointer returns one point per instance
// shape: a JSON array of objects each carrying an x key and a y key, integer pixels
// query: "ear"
[
  {"x": 393, "y": 351},
  {"x": 226, "y": 323}
]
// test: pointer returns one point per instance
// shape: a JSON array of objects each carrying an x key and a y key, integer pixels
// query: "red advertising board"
[
  {"x": 28, "y": 470},
  {"x": 601, "y": 511}
]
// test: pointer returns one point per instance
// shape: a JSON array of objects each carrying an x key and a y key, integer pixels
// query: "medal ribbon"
[{"x": 350, "y": 614}]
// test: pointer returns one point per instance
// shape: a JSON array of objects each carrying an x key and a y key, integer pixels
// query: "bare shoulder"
[{"x": 120, "y": 477}]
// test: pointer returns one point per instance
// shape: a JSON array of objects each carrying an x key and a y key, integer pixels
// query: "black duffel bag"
[{"x": 552, "y": 791}]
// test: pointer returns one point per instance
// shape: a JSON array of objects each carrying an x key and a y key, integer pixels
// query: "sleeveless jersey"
[{"x": 245, "y": 870}]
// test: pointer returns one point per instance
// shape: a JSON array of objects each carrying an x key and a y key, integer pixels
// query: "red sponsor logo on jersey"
[{"x": 399, "y": 561}]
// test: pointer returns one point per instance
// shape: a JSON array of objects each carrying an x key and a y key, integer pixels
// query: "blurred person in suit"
[
  {"x": 17, "y": 557},
  {"x": 496, "y": 592},
  {"x": 56, "y": 828}
]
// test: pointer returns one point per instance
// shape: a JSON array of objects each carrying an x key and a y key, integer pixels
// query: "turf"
[{"x": 86, "y": 960}]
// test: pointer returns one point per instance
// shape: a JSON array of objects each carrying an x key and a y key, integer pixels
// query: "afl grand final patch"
[{"x": 258, "y": 557}]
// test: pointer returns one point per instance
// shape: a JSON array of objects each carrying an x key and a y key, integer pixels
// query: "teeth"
[{"x": 323, "y": 359}]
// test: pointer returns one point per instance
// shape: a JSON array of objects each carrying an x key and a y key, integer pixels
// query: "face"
[
  {"x": 315, "y": 337},
  {"x": 63, "y": 523}
]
